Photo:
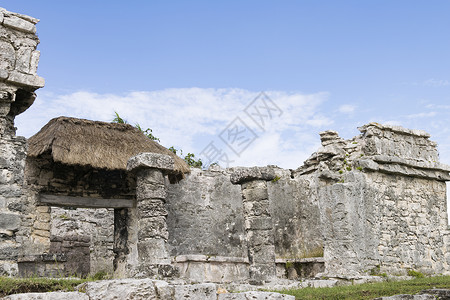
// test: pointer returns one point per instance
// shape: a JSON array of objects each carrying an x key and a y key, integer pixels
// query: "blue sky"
[{"x": 189, "y": 68}]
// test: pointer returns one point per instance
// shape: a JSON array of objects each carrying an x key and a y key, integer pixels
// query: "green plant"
[
  {"x": 64, "y": 217},
  {"x": 118, "y": 119},
  {"x": 355, "y": 143},
  {"x": 341, "y": 171},
  {"x": 359, "y": 168},
  {"x": 376, "y": 271},
  {"x": 174, "y": 150},
  {"x": 416, "y": 274},
  {"x": 190, "y": 160},
  {"x": 315, "y": 252},
  {"x": 101, "y": 275},
  {"x": 349, "y": 168},
  {"x": 148, "y": 132},
  {"x": 276, "y": 179}
]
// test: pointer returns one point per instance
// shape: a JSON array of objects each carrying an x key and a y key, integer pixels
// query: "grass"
[
  {"x": 9, "y": 286},
  {"x": 316, "y": 252},
  {"x": 371, "y": 290}
]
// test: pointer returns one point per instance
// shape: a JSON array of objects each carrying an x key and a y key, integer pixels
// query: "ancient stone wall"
[
  {"x": 89, "y": 228},
  {"x": 296, "y": 217},
  {"x": 18, "y": 81},
  {"x": 206, "y": 222},
  {"x": 205, "y": 215},
  {"x": 374, "y": 203},
  {"x": 382, "y": 198}
]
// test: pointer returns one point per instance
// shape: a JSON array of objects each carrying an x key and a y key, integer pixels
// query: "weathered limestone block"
[
  {"x": 22, "y": 79},
  {"x": 241, "y": 175},
  {"x": 19, "y": 23},
  {"x": 7, "y": 56},
  {"x": 119, "y": 289},
  {"x": 134, "y": 289},
  {"x": 398, "y": 141},
  {"x": 9, "y": 221},
  {"x": 218, "y": 269},
  {"x": 204, "y": 291},
  {"x": 151, "y": 160},
  {"x": 205, "y": 216}
]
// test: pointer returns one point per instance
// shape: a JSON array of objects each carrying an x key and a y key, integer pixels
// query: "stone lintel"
[
  {"x": 158, "y": 161},
  {"x": 206, "y": 258},
  {"x": 242, "y": 174}
]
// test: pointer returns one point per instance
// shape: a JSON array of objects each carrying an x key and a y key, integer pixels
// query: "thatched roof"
[{"x": 97, "y": 144}]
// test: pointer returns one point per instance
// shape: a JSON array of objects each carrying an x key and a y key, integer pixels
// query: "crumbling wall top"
[
  {"x": 380, "y": 148},
  {"x": 18, "y": 67},
  {"x": 19, "y": 58},
  {"x": 375, "y": 128},
  {"x": 18, "y": 21}
]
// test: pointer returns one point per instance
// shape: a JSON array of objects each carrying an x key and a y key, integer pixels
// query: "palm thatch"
[{"x": 97, "y": 144}]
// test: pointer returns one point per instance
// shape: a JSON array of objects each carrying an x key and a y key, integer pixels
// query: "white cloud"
[
  {"x": 437, "y": 106},
  {"x": 391, "y": 122},
  {"x": 422, "y": 115},
  {"x": 346, "y": 109},
  {"x": 436, "y": 82},
  {"x": 190, "y": 118}
]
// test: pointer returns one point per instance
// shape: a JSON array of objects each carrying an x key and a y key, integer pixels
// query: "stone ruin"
[{"x": 365, "y": 206}]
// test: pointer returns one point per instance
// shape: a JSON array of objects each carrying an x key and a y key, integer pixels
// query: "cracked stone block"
[{"x": 9, "y": 221}]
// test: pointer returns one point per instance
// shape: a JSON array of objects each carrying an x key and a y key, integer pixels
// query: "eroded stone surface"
[
  {"x": 378, "y": 192},
  {"x": 151, "y": 160}
]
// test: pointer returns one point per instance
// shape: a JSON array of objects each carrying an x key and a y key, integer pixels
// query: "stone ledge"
[
  {"x": 26, "y": 79},
  {"x": 17, "y": 23},
  {"x": 205, "y": 258},
  {"x": 300, "y": 260},
  {"x": 47, "y": 257},
  {"x": 385, "y": 159},
  {"x": 396, "y": 165},
  {"x": 151, "y": 160}
]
